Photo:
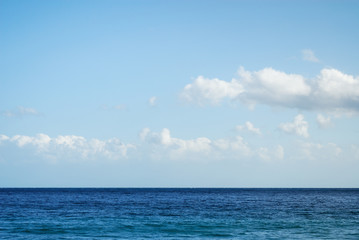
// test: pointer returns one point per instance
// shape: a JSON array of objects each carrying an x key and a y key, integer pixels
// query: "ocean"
[{"x": 178, "y": 213}]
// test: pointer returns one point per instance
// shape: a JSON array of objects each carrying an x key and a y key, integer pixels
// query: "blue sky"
[{"x": 179, "y": 94}]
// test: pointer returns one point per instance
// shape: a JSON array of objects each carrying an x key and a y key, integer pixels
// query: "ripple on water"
[{"x": 179, "y": 213}]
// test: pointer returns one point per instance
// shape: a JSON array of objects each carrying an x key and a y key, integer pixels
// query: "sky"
[{"x": 179, "y": 93}]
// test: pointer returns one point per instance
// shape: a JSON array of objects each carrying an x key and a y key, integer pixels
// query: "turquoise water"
[{"x": 179, "y": 213}]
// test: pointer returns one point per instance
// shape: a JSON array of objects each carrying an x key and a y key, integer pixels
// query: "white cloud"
[
  {"x": 236, "y": 144},
  {"x": 120, "y": 107},
  {"x": 250, "y": 127},
  {"x": 331, "y": 91},
  {"x": 308, "y": 55},
  {"x": 21, "y": 140},
  {"x": 299, "y": 126},
  {"x": 40, "y": 141},
  {"x": 163, "y": 145},
  {"x": 144, "y": 133},
  {"x": 268, "y": 155},
  {"x": 309, "y": 148},
  {"x": 213, "y": 91},
  {"x": 24, "y": 110},
  {"x": 71, "y": 142},
  {"x": 268, "y": 85},
  {"x": 272, "y": 87},
  {"x": 264, "y": 153},
  {"x": 20, "y": 111},
  {"x": 317, "y": 151},
  {"x": 156, "y": 145},
  {"x": 70, "y": 146},
  {"x": 3, "y": 138},
  {"x": 337, "y": 90},
  {"x": 323, "y": 122},
  {"x": 152, "y": 101},
  {"x": 179, "y": 145},
  {"x": 335, "y": 148}
]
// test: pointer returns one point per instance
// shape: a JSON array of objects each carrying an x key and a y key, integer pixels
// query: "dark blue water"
[{"x": 179, "y": 213}]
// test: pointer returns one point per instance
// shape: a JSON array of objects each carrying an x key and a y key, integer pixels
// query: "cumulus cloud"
[
  {"x": 20, "y": 111},
  {"x": 337, "y": 90},
  {"x": 331, "y": 90},
  {"x": 204, "y": 90},
  {"x": 177, "y": 145},
  {"x": 70, "y": 146},
  {"x": 40, "y": 141},
  {"x": 250, "y": 127},
  {"x": 299, "y": 126},
  {"x": 154, "y": 145},
  {"x": 273, "y": 87},
  {"x": 152, "y": 101},
  {"x": 308, "y": 55},
  {"x": 323, "y": 122},
  {"x": 163, "y": 145}
]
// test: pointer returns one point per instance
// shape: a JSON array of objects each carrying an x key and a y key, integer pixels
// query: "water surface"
[{"x": 179, "y": 213}]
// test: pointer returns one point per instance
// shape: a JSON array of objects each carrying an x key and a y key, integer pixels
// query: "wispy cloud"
[
  {"x": 115, "y": 107},
  {"x": 250, "y": 127},
  {"x": 152, "y": 101},
  {"x": 20, "y": 112},
  {"x": 120, "y": 107},
  {"x": 323, "y": 122},
  {"x": 266, "y": 154},
  {"x": 3, "y": 138},
  {"x": 317, "y": 151},
  {"x": 308, "y": 55}
]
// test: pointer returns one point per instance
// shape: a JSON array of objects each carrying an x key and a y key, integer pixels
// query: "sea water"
[{"x": 179, "y": 213}]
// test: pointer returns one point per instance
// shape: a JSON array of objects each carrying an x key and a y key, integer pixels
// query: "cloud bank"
[
  {"x": 162, "y": 146},
  {"x": 154, "y": 145},
  {"x": 331, "y": 90},
  {"x": 69, "y": 146}
]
